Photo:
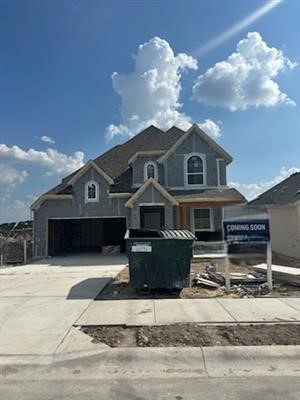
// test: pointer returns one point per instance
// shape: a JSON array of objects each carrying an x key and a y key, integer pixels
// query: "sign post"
[
  {"x": 227, "y": 270},
  {"x": 269, "y": 266},
  {"x": 252, "y": 230}
]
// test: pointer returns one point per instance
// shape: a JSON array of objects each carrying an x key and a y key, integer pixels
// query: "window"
[
  {"x": 202, "y": 219},
  {"x": 150, "y": 170},
  {"x": 91, "y": 192},
  {"x": 195, "y": 170}
]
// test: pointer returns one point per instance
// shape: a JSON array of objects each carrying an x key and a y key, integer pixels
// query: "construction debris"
[
  {"x": 282, "y": 273},
  {"x": 245, "y": 285},
  {"x": 206, "y": 282}
]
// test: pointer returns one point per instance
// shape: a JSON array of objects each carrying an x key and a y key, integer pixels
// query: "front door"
[{"x": 152, "y": 217}]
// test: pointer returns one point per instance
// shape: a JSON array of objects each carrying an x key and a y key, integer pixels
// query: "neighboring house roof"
[
  {"x": 285, "y": 192},
  {"x": 226, "y": 195},
  {"x": 195, "y": 128}
]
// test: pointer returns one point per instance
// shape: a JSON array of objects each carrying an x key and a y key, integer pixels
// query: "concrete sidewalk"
[{"x": 168, "y": 311}]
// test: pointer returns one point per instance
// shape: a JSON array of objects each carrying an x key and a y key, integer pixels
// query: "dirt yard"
[
  {"x": 120, "y": 288},
  {"x": 194, "y": 335}
]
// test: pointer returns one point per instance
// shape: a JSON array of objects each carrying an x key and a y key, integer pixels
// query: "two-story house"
[{"x": 163, "y": 180}]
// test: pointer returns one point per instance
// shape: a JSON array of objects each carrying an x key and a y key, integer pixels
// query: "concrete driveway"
[{"x": 40, "y": 302}]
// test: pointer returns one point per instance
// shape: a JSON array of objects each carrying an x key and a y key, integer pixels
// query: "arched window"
[
  {"x": 195, "y": 170},
  {"x": 150, "y": 170},
  {"x": 91, "y": 191}
]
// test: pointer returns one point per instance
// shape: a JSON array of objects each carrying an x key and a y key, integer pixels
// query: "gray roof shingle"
[
  {"x": 285, "y": 192},
  {"x": 226, "y": 194},
  {"x": 115, "y": 161}
]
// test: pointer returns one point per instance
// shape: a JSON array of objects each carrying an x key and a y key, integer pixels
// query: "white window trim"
[
  {"x": 211, "y": 215},
  {"x": 96, "y": 199},
  {"x": 218, "y": 171},
  {"x": 186, "y": 158},
  {"x": 155, "y": 170}
]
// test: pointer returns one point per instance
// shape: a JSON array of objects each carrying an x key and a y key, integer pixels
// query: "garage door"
[{"x": 85, "y": 234}]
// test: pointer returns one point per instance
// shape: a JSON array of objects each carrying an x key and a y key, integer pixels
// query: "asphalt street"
[{"x": 250, "y": 388}]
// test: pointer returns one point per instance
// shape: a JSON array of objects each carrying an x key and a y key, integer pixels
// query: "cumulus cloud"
[
  {"x": 54, "y": 161},
  {"x": 150, "y": 94},
  {"x": 211, "y": 128},
  {"x": 10, "y": 177},
  {"x": 252, "y": 190},
  {"x": 246, "y": 78},
  {"x": 47, "y": 139}
]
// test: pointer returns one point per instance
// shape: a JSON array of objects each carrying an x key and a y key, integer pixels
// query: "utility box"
[{"x": 159, "y": 259}]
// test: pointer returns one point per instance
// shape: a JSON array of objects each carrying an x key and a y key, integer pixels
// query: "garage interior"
[{"x": 85, "y": 235}]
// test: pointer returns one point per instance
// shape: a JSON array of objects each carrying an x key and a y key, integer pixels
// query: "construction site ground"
[{"x": 120, "y": 288}]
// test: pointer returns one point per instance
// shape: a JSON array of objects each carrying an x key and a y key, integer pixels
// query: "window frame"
[
  {"x": 186, "y": 173},
  {"x": 153, "y": 163},
  {"x": 86, "y": 192},
  {"x": 211, "y": 220}
]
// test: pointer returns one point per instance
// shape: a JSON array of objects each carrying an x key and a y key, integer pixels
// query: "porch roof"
[{"x": 220, "y": 196}]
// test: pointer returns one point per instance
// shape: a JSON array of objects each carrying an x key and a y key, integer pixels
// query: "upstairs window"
[
  {"x": 195, "y": 170},
  {"x": 150, "y": 170},
  {"x": 91, "y": 192}
]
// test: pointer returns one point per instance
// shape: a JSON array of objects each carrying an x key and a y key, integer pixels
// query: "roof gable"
[
  {"x": 157, "y": 186},
  {"x": 86, "y": 167},
  {"x": 195, "y": 129}
]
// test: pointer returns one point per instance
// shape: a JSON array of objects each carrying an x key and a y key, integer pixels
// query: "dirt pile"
[{"x": 195, "y": 335}]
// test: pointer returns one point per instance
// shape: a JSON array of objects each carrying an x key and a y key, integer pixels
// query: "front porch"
[{"x": 204, "y": 219}]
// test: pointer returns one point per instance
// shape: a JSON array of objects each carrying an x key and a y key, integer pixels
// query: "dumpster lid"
[{"x": 159, "y": 234}]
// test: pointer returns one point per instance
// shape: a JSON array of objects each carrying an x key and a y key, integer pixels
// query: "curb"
[{"x": 197, "y": 362}]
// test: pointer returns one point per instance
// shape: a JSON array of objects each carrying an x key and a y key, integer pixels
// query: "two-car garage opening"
[{"x": 85, "y": 234}]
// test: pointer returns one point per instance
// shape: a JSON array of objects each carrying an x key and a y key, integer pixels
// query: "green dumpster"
[{"x": 159, "y": 259}]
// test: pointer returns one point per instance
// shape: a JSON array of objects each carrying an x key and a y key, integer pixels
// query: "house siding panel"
[
  {"x": 151, "y": 197},
  {"x": 138, "y": 170},
  {"x": 285, "y": 225},
  {"x": 77, "y": 208},
  {"x": 175, "y": 163}
]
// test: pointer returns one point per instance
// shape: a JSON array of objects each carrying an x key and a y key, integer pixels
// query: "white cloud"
[
  {"x": 47, "y": 139},
  {"x": 246, "y": 78},
  {"x": 252, "y": 190},
  {"x": 10, "y": 177},
  {"x": 150, "y": 94},
  {"x": 211, "y": 128},
  {"x": 55, "y": 162}
]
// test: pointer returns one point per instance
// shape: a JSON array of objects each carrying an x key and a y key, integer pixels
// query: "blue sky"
[{"x": 57, "y": 61}]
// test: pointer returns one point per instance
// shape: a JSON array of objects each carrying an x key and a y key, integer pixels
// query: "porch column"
[
  {"x": 178, "y": 217},
  {"x": 186, "y": 213}
]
